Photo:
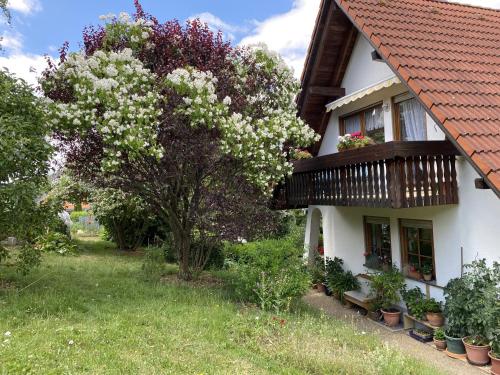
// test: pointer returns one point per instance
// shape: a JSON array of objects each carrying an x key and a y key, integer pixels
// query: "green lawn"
[{"x": 94, "y": 314}]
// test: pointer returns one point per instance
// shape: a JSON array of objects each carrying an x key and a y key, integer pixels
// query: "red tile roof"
[{"x": 449, "y": 55}]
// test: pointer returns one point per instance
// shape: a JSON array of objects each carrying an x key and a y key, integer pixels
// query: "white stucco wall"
[
  {"x": 472, "y": 225},
  {"x": 362, "y": 71}
]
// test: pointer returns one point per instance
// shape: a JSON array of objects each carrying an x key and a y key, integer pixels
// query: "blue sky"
[{"x": 39, "y": 27}]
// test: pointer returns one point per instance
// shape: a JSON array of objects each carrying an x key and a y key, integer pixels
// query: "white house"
[{"x": 421, "y": 78}]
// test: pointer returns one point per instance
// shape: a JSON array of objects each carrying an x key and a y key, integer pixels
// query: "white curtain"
[
  {"x": 352, "y": 124},
  {"x": 413, "y": 116},
  {"x": 374, "y": 119}
]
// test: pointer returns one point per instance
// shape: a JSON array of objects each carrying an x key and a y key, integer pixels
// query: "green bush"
[
  {"x": 270, "y": 273},
  {"x": 439, "y": 334},
  {"x": 338, "y": 280},
  {"x": 414, "y": 300},
  {"x": 346, "y": 282},
  {"x": 471, "y": 303},
  {"x": 54, "y": 242}
]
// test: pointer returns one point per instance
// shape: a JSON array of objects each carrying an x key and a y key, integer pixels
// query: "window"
[
  {"x": 369, "y": 122},
  {"x": 377, "y": 242},
  {"x": 418, "y": 247},
  {"x": 409, "y": 119}
]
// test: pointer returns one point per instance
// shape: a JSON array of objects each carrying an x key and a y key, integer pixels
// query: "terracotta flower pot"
[
  {"x": 455, "y": 345},
  {"x": 435, "y": 319},
  {"x": 477, "y": 355},
  {"x": 428, "y": 277},
  {"x": 495, "y": 364},
  {"x": 440, "y": 344},
  {"x": 391, "y": 318},
  {"x": 320, "y": 288}
]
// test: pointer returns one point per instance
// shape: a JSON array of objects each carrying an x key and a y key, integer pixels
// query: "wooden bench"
[{"x": 359, "y": 299}]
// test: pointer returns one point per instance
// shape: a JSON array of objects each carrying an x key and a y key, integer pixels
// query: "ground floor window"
[
  {"x": 377, "y": 242},
  {"x": 418, "y": 249}
]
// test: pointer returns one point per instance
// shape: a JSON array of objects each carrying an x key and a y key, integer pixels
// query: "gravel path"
[{"x": 398, "y": 340}]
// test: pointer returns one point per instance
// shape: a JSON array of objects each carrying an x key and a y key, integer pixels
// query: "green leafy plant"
[
  {"x": 317, "y": 269},
  {"x": 412, "y": 298},
  {"x": 427, "y": 268},
  {"x": 334, "y": 269},
  {"x": 344, "y": 283},
  {"x": 385, "y": 287},
  {"x": 439, "y": 334},
  {"x": 432, "y": 306},
  {"x": 495, "y": 341},
  {"x": 270, "y": 273},
  {"x": 58, "y": 243},
  {"x": 471, "y": 303}
]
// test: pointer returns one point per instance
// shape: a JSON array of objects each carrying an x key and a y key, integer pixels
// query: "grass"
[{"x": 94, "y": 313}]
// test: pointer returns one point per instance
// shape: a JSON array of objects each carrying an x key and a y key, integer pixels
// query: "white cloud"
[
  {"x": 495, "y": 4},
  {"x": 215, "y": 23},
  {"x": 11, "y": 41},
  {"x": 24, "y": 6},
  {"x": 24, "y": 65},
  {"x": 289, "y": 33}
]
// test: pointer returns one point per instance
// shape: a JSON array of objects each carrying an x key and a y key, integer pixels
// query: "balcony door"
[{"x": 409, "y": 117}]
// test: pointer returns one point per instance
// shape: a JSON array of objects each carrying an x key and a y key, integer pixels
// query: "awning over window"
[{"x": 361, "y": 93}]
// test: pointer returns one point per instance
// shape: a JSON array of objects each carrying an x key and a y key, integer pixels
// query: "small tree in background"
[{"x": 199, "y": 130}]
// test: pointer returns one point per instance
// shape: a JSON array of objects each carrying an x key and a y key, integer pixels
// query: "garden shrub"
[
  {"x": 126, "y": 217},
  {"x": 270, "y": 273},
  {"x": 55, "y": 242},
  {"x": 471, "y": 302}
]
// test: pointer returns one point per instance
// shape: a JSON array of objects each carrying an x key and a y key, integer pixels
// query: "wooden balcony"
[{"x": 393, "y": 175}]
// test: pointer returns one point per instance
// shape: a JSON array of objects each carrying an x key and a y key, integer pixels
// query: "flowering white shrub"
[
  {"x": 114, "y": 93},
  {"x": 258, "y": 143}
]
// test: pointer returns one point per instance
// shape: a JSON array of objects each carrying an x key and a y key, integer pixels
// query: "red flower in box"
[
  {"x": 321, "y": 250},
  {"x": 357, "y": 135}
]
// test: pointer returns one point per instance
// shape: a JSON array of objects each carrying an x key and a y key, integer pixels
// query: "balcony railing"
[{"x": 393, "y": 174}]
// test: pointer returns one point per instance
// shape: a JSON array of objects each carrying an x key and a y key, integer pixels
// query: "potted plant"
[
  {"x": 483, "y": 287},
  {"x": 421, "y": 335},
  {"x": 346, "y": 281},
  {"x": 354, "y": 140},
  {"x": 434, "y": 312},
  {"x": 317, "y": 272},
  {"x": 385, "y": 287},
  {"x": 412, "y": 298},
  {"x": 494, "y": 354},
  {"x": 455, "y": 310},
  {"x": 414, "y": 272},
  {"x": 427, "y": 271},
  {"x": 439, "y": 339},
  {"x": 334, "y": 269}
]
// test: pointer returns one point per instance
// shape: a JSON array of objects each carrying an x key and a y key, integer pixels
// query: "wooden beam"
[{"x": 327, "y": 91}]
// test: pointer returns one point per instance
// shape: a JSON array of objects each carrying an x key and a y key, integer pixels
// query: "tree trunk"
[{"x": 183, "y": 247}]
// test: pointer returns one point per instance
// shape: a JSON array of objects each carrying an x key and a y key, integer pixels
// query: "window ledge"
[{"x": 430, "y": 283}]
